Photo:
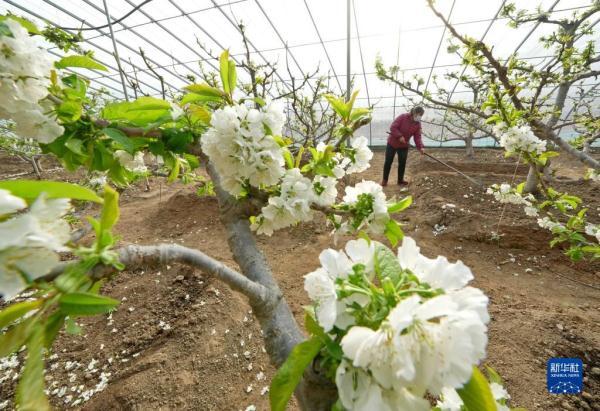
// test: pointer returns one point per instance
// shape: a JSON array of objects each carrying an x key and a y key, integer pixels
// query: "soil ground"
[{"x": 180, "y": 340}]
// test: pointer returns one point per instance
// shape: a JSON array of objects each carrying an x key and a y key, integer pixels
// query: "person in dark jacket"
[{"x": 404, "y": 127}]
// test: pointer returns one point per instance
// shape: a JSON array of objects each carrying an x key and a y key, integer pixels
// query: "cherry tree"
[
  {"x": 385, "y": 331},
  {"x": 461, "y": 125},
  {"x": 518, "y": 92},
  {"x": 525, "y": 105}
]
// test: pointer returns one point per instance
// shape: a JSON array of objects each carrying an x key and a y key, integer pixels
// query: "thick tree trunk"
[
  {"x": 470, "y": 153},
  {"x": 281, "y": 332},
  {"x": 532, "y": 183}
]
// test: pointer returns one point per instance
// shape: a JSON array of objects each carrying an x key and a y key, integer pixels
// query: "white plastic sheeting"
[{"x": 403, "y": 32}]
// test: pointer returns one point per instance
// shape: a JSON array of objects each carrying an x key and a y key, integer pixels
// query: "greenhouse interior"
[{"x": 300, "y": 205}]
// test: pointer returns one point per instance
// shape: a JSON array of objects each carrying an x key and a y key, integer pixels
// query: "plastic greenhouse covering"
[{"x": 307, "y": 34}]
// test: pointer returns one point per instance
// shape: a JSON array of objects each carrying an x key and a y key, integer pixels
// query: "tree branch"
[
  {"x": 134, "y": 256},
  {"x": 385, "y": 76}
]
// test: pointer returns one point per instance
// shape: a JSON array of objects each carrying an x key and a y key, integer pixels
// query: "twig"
[{"x": 158, "y": 76}]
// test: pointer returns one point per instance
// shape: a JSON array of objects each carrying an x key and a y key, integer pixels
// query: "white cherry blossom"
[
  {"x": 28, "y": 243},
  {"x": 519, "y": 139},
  {"x": 25, "y": 66},
  {"x": 438, "y": 273},
  {"x": 9, "y": 203}
]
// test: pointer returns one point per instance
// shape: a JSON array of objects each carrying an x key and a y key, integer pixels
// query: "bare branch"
[{"x": 158, "y": 76}]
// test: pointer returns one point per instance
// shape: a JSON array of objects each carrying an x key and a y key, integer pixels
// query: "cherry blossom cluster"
[
  {"x": 25, "y": 66},
  {"x": 242, "y": 147},
  {"x": 365, "y": 205},
  {"x": 504, "y": 193},
  {"x": 428, "y": 340},
  {"x": 355, "y": 158},
  {"x": 293, "y": 204},
  {"x": 519, "y": 139},
  {"x": 369, "y": 208},
  {"x": 549, "y": 224},
  {"x": 30, "y": 240}
]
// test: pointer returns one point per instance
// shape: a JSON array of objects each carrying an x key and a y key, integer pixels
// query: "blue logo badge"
[{"x": 564, "y": 375}]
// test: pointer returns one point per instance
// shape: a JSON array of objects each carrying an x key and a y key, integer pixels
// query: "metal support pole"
[
  {"x": 397, "y": 65},
  {"x": 116, "y": 51},
  {"x": 348, "y": 91}
]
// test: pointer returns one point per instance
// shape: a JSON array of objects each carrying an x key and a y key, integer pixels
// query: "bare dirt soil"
[{"x": 180, "y": 340}]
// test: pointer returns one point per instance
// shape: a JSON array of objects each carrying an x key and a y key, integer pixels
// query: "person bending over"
[{"x": 404, "y": 127}]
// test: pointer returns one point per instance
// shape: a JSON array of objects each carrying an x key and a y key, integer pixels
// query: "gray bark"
[
  {"x": 280, "y": 329},
  {"x": 532, "y": 183},
  {"x": 469, "y": 146}
]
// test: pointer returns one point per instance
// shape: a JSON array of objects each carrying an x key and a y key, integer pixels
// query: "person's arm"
[{"x": 419, "y": 141}]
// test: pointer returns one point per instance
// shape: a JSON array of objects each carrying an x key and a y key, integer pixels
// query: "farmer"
[{"x": 404, "y": 127}]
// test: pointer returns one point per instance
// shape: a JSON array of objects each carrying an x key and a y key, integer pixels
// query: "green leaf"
[
  {"x": 174, "y": 171},
  {"x": 205, "y": 90},
  {"x": 299, "y": 157},
  {"x": 224, "y": 69},
  {"x": 192, "y": 160},
  {"x": 4, "y": 30},
  {"x": 548, "y": 154},
  {"x": 148, "y": 103},
  {"x": 177, "y": 140},
  {"x": 386, "y": 263},
  {"x": 53, "y": 326},
  {"x": 77, "y": 87},
  {"x": 16, "y": 311},
  {"x": 142, "y": 112},
  {"x": 110, "y": 210},
  {"x": 69, "y": 110},
  {"x": 493, "y": 375},
  {"x": 86, "y": 304},
  {"x": 27, "y": 24},
  {"x": 14, "y": 338},
  {"x": 350, "y": 102},
  {"x": 393, "y": 232},
  {"x": 289, "y": 160},
  {"x": 120, "y": 138},
  {"x": 31, "y": 189},
  {"x": 312, "y": 326},
  {"x": 476, "y": 394},
  {"x": 30, "y": 394},
  {"x": 79, "y": 61},
  {"x": 400, "y": 205},
  {"x": 232, "y": 76},
  {"x": 75, "y": 145},
  {"x": 338, "y": 105},
  {"x": 289, "y": 374},
  {"x": 359, "y": 113},
  {"x": 520, "y": 187},
  {"x": 199, "y": 113}
]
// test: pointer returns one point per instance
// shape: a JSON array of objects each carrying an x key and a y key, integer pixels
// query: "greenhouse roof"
[{"x": 307, "y": 34}]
